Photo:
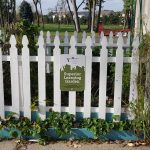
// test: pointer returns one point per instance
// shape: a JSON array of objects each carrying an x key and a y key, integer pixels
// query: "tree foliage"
[
  {"x": 25, "y": 11},
  {"x": 7, "y": 12},
  {"x": 128, "y": 12}
]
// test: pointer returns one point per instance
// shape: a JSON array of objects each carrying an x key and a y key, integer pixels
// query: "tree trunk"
[
  {"x": 41, "y": 13},
  {"x": 76, "y": 18},
  {"x": 71, "y": 13},
  {"x": 37, "y": 13},
  {"x": 14, "y": 10},
  {"x": 99, "y": 13},
  {"x": 90, "y": 15},
  {"x": 93, "y": 16}
]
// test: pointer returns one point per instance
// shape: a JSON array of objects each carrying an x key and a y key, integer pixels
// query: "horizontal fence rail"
[{"x": 48, "y": 53}]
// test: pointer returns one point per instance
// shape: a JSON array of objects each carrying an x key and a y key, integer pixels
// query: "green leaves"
[
  {"x": 62, "y": 123},
  {"x": 99, "y": 127}
]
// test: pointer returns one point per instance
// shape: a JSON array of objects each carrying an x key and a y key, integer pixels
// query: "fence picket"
[
  {"x": 14, "y": 76},
  {"x": 41, "y": 78},
  {"x": 2, "y": 111},
  {"x": 110, "y": 42},
  {"x": 83, "y": 37},
  {"x": 88, "y": 77},
  {"x": 93, "y": 37},
  {"x": 83, "y": 40},
  {"x": 118, "y": 78},
  {"x": 57, "y": 92},
  {"x": 48, "y": 51},
  {"x": 72, "y": 94},
  {"x": 128, "y": 38},
  {"x": 66, "y": 41},
  {"x": 101, "y": 37},
  {"x": 26, "y": 78},
  {"x": 103, "y": 79},
  {"x": 20, "y": 84},
  {"x": 76, "y": 36}
]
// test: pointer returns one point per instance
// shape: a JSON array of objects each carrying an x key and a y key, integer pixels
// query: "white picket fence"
[{"x": 20, "y": 74}]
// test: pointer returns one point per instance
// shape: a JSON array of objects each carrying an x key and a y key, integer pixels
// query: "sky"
[{"x": 116, "y": 5}]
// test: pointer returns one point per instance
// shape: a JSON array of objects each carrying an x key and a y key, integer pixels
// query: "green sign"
[{"x": 72, "y": 72}]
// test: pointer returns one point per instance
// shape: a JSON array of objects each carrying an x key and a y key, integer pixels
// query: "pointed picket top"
[
  {"x": 73, "y": 41},
  {"x": 48, "y": 37},
  {"x": 57, "y": 41},
  {"x": 93, "y": 37},
  {"x": 41, "y": 41},
  {"x": 101, "y": 36},
  {"x": 136, "y": 42},
  {"x": 76, "y": 36},
  {"x": 83, "y": 37},
  {"x": 25, "y": 41},
  {"x": 57, "y": 33},
  {"x": 66, "y": 39},
  {"x": 111, "y": 37},
  {"x": 104, "y": 42},
  {"x": 88, "y": 42},
  {"x": 129, "y": 38},
  {"x": 41, "y": 33},
  {"x": 120, "y": 40},
  {"x": 13, "y": 41}
]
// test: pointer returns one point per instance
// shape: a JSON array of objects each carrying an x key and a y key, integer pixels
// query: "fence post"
[
  {"x": 26, "y": 77},
  {"x": 88, "y": 77},
  {"x": 118, "y": 79},
  {"x": 103, "y": 78},
  {"x": 72, "y": 94},
  {"x": 134, "y": 72},
  {"x": 14, "y": 76},
  {"x": 2, "y": 110},
  {"x": 41, "y": 78},
  {"x": 57, "y": 92}
]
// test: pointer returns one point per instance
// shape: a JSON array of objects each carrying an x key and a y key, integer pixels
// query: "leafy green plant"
[
  {"x": 98, "y": 127},
  {"x": 24, "y": 128},
  {"x": 62, "y": 123}
]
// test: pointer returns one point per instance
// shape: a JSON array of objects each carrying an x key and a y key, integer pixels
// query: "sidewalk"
[{"x": 10, "y": 145}]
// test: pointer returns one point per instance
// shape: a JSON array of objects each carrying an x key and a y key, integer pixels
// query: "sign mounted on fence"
[{"x": 72, "y": 72}]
